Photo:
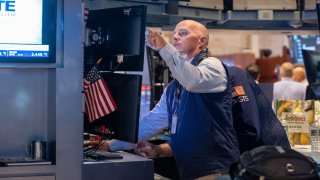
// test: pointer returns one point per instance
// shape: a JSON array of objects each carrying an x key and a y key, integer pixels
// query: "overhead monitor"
[
  {"x": 117, "y": 36},
  {"x": 302, "y": 42},
  {"x": 28, "y": 31}
]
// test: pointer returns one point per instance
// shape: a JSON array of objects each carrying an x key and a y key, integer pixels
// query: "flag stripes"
[{"x": 98, "y": 99}]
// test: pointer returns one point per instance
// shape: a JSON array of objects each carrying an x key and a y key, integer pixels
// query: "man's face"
[{"x": 185, "y": 38}]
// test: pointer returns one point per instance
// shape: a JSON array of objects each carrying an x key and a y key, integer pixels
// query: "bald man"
[
  {"x": 286, "y": 88},
  {"x": 299, "y": 75},
  {"x": 196, "y": 107}
]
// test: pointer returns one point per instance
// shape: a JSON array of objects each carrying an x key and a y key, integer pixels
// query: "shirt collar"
[{"x": 286, "y": 79}]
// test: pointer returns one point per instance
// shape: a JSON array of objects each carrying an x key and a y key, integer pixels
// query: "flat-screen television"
[
  {"x": 123, "y": 123},
  {"x": 28, "y": 31},
  {"x": 117, "y": 35}
]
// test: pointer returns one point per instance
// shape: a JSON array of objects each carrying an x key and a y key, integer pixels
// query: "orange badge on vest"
[{"x": 238, "y": 91}]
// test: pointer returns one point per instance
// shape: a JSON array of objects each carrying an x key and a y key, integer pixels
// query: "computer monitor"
[
  {"x": 298, "y": 43},
  {"x": 123, "y": 123},
  {"x": 117, "y": 35},
  {"x": 28, "y": 31},
  {"x": 312, "y": 64}
]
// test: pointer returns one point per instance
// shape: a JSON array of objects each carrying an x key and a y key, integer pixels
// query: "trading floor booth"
[
  {"x": 41, "y": 83},
  {"x": 41, "y": 75},
  {"x": 114, "y": 44}
]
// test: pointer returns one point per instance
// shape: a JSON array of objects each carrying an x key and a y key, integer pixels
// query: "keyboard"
[{"x": 102, "y": 155}]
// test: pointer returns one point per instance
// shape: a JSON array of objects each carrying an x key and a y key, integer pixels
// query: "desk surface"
[
  {"x": 127, "y": 157},
  {"x": 130, "y": 167},
  {"x": 137, "y": 167},
  {"x": 306, "y": 150}
]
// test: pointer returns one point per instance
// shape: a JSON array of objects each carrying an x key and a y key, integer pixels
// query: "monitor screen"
[
  {"x": 28, "y": 31},
  {"x": 312, "y": 65},
  {"x": 123, "y": 123},
  {"x": 117, "y": 35},
  {"x": 302, "y": 42}
]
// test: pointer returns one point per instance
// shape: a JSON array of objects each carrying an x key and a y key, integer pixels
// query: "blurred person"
[
  {"x": 299, "y": 75},
  {"x": 286, "y": 88},
  {"x": 254, "y": 71}
]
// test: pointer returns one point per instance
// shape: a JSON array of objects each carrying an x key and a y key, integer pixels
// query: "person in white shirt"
[{"x": 286, "y": 88}]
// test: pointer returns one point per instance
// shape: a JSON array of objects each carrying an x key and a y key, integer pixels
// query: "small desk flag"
[{"x": 98, "y": 99}]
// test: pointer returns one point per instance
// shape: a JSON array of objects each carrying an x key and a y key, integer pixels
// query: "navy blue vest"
[{"x": 205, "y": 141}]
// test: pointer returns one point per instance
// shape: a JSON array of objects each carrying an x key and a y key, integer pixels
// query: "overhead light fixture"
[{"x": 296, "y": 24}]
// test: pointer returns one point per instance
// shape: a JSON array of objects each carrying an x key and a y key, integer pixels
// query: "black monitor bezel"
[
  {"x": 99, "y": 18},
  {"x": 123, "y": 123},
  {"x": 309, "y": 59}
]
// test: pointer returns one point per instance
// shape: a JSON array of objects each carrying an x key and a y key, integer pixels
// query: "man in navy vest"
[{"x": 196, "y": 106}]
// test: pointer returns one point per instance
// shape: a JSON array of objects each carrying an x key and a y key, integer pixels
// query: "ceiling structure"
[{"x": 222, "y": 14}]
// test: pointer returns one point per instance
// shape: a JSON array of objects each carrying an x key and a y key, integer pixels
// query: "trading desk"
[
  {"x": 130, "y": 167},
  {"x": 306, "y": 150}
]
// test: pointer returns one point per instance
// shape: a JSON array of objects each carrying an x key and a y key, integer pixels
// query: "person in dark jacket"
[{"x": 255, "y": 122}]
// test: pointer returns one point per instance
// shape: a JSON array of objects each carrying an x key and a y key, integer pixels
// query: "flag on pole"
[{"x": 98, "y": 99}]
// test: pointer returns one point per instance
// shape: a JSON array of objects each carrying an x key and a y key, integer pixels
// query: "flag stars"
[{"x": 93, "y": 75}]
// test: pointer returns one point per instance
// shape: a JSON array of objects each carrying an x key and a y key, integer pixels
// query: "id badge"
[{"x": 174, "y": 124}]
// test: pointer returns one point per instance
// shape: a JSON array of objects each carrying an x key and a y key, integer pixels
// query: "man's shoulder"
[
  {"x": 298, "y": 85},
  {"x": 292, "y": 85},
  {"x": 210, "y": 59},
  {"x": 212, "y": 62}
]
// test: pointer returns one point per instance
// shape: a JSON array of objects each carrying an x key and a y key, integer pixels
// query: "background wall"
[{"x": 226, "y": 42}]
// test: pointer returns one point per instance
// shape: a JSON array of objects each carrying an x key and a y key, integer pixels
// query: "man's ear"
[{"x": 203, "y": 41}]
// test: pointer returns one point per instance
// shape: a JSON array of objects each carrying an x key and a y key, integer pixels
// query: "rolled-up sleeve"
[{"x": 208, "y": 77}]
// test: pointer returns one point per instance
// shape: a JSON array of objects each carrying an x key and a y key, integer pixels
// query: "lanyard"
[
  {"x": 176, "y": 100},
  {"x": 196, "y": 60}
]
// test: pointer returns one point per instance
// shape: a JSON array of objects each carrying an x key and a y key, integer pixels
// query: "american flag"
[{"x": 98, "y": 100}]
